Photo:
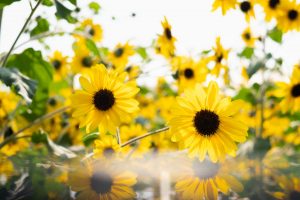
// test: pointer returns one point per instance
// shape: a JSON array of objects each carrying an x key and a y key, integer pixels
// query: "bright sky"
[{"x": 194, "y": 26}]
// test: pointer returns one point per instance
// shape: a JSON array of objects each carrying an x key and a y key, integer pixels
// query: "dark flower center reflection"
[
  {"x": 205, "y": 169},
  {"x": 104, "y": 99},
  {"x": 101, "y": 182},
  {"x": 108, "y": 152}
]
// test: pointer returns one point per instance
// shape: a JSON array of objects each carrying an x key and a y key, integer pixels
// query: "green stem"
[
  {"x": 21, "y": 31},
  {"x": 1, "y": 15},
  {"x": 143, "y": 136},
  {"x": 35, "y": 122}
]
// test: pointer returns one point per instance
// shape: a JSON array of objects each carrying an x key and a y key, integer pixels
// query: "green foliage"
[
  {"x": 4, "y": 3},
  {"x": 47, "y": 3},
  {"x": 20, "y": 83},
  {"x": 39, "y": 137},
  {"x": 41, "y": 27},
  {"x": 90, "y": 44},
  {"x": 247, "y": 52},
  {"x": 89, "y": 138},
  {"x": 64, "y": 13},
  {"x": 247, "y": 95},
  {"x": 142, "y": 52},
  {"x": 74, "y": 2},
  {"x": 254, "y": 67},
  {"x": 95, "y": 7},
  {"x": 32, "y": 64},
  {"x": 276, "y": 35}
]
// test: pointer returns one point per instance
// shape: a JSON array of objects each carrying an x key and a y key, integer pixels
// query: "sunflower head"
[
  {"x": 92, "y": 30},
  {"x": 119, "y": 56}
]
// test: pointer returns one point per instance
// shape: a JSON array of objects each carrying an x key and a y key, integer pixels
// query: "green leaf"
[
  {"x": 39, "y": 137},
  {"x": 41, "y": 27},
  {"x": 47, "y": 3},
  {"x": 94, "y": 6},
  {"x": 142, "y": 52},
  {"x": 4, "y": 3},
  {"x": 247, "y": 52},
  {"x": 74, "y": 2},
  {"x": 254, "y": 67},
  {"x": 64, "y": 13},
  {"x": 89, "y": 138},
  {"x": 32, "y": 64},
  {"x": 20, "y": 83},
  {"x": 246, "y": 95},
  {"x": 276, "y": 35},
  {"x": 90, "y": 44}
]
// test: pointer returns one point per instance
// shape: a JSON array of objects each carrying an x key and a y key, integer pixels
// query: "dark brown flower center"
[
  {"x": 108, "y": 152},
  {"x": 273, "y": 3},
  {"x": 205, "y": 169},
  {"x": 188, "y": 73},
  {"x": 119, "y": 52},
  {"x": 101, "y": 182},
  {"x": 87, "y": 61},
  {"x": 206, "y": 122},
  {"x": 245, "y": 6},
  {"x": 56, "y": 64},
  {"x": 219, "y": 58},
  {"x": 168, "y": 33},
  {"x": 292, "y": 14},
  {"x": 294, "y": 195},
  {"x": 295, "y": 92},
  {"x": 104, "y": 99},
  {"x": 247, "y": 36},
  {"x": 91, "y": 32}
]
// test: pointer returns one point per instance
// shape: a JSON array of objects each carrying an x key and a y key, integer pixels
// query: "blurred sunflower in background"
[
  {"x": 119, "y": 56},
  {"x": 248, "y": 37},
  {"x": 203, "y": 122},
  {"x": 225, "y": 5},
  {"x": 289, "y": 16},
  {"x": 271, "y": 8},
  {"x": 247, "y": 8},
  {"x": 106, "y": 146},
  {"x": 91, "y": 30},
  {"x": 165, "y": 44},
  {"x": 83, "y": 60},
  {"x": 290, "y": 92},
  {"x": 203, "y": 180},
  {"x": 105, "y": 100},
  {"x": 290, "y": 186},
  {"x": 102, "y": 181},
  {"x": 60, "y": 64}
]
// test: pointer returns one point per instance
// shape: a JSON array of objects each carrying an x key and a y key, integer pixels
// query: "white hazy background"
[{"x": 193, "y": 24}]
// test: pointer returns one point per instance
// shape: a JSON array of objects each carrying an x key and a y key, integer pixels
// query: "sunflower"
[
  {"x": 107, "y": 146},
  {"x": 225, "y": 5},
  {"x": 289, "y": 16},
  {"x": 60, "y": 64},
  {"x": 248, "y": 37},
  {"x": 165, "y": 44},
  {"x": 83, "y": 60},
  {"x": 247, "y": 7},
  {"x": 138, "y": 148},
  {"x": 120, "y": 55},
  {"x": 290, "y": 186},
  {"x": 220, "y": 57},
  {"x": 293, "y": 137},
  {"x": 203, "y": 122},
  {"x": 6, "y": 167},
  {"x": 275, "y": 127},
  {"x": 190, "y": 72},
  {"x": 271, "y": 8},
  {"x": 92, "y": 30},
  {"x": 202, "y": 180},
  {"x": 102, "y": 181},
  {"x": 290, "y": 92},
  {"x": 8, "y": 102},
  {"x": 105, "y": 100}
]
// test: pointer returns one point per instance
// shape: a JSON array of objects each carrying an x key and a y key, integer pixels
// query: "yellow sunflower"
[
  {"x": 83, "y": 60},
  {"x": 290, "y": 92},
  {"x": 92, "y": 30},
  {"x": 248, "y": 37},
  {"x": 105, "y": 100},
  {"x": 8, "y": 102},
  {"x": 119, "y": 57},
  {"x": 165, "y": 43},
  {"x": 107, "y": 146},
  {"x": 190, "y": 72},
  {"x": 203, "y": 180},
  {"x": 290, "y": 186},
  {"x": 247, "y": 7},
  {"x": 293, "y": 137},
  {"x": 60, "y": 64},
  {"x": 102, "y": 181},
  {"x": 6, "y": 167},
  {"x": 138, "y": 148},
  {"x": 220, "y": 57},
  {"x": 225, "y": 5},
  {"x": 271, "y": 8},
  {"x": 289, "y": 16},
  {"x": 203, "y": 122}
]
